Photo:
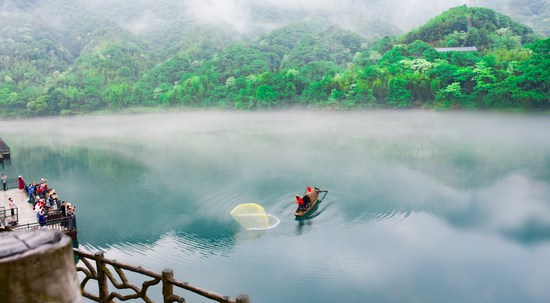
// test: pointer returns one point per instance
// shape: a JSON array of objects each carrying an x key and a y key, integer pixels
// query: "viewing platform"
[{"x": 24, "y": 217}]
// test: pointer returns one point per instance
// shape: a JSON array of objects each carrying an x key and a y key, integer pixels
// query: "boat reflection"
[{"x": 301, "y": 223}]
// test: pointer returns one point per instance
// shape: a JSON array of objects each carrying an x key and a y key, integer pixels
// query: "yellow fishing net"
[{"x": 250, "y": 216}]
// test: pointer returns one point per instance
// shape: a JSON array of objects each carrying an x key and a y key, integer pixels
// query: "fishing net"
[{"x": 250, "y": 216}]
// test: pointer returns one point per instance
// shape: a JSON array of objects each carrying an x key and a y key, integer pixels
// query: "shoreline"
[{"x": 156, "y": 110}]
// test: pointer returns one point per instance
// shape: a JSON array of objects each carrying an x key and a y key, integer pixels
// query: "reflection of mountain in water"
[{"x": 516, "y": 207}]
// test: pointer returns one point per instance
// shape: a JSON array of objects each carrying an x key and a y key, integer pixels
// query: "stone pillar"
[
  {"x": 242, "y": 299},
  {"x": 37, "y": 266}
]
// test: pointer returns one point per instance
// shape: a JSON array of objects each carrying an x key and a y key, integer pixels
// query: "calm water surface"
[{"x": 422, "y": 206}]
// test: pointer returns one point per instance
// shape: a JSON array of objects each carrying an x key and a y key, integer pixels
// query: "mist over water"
[{"x": 422, "y": 206}]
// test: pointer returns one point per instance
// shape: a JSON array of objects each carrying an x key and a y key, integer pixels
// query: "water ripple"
[{"x": 273, "y": 222}]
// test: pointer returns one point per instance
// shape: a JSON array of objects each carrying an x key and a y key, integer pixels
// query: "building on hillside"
[{"x": 457, "y": 49}]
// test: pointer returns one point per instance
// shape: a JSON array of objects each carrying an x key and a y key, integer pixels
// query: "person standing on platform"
[
  {"x": 63, "y": 209},
  {"x": 70, "y": 216},
  {"x": 21, "y": 183},
  {"x": 42, "y": 219},
  {"x": 4, "y": 181},
  {"x": 31, "y": 193},
  {"x": 64, "y": 214},
  {"x": 39, "y": 190},
  {"x": 12, "y": 206}
]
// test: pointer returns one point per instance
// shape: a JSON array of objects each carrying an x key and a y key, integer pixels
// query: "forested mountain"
[
  {"x": 488, "y": 30},
  {"x": 67, "y": 57}
]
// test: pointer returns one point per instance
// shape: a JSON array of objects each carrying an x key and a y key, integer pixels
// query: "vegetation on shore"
[{"x": 307, "y": 64}]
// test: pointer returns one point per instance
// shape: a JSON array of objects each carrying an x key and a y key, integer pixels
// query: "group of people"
[
  {"x": 46, "y": 203},
  {"x": 305, "y": 202},
  {"x": 42, "y": 196}
]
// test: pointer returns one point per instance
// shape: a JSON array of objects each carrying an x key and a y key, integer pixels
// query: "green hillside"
[
  {"x": 70, "y": 57},
  {"x": 488, "y": 29}
]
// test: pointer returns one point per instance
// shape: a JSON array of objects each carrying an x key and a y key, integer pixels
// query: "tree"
[
  {"x": 398, "y": 95},
  {"x": 267, "y": 95},
  {"x": 452, "y": 94},
  {"x": 39, "y": 107},
  {"x": 124, "y": 71},
  {"x": 56, "y": 97},
  {"x": 535, "y": 79}
]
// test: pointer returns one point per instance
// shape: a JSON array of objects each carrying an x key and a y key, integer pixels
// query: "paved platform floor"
[{"x": 26, "y": 213}]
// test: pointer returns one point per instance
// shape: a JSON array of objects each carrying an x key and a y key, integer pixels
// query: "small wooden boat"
[{"x": 314, "y": 198}]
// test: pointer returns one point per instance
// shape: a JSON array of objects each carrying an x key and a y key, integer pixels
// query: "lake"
[{"x": 422, "y": 206}]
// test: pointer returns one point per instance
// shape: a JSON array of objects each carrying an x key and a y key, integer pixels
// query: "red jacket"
[{"x": 300, "y": 201}]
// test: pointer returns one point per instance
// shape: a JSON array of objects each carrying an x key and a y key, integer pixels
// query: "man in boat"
[{"x": 300, "y": 202}]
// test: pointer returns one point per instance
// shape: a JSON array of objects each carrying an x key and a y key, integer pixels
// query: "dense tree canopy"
[{"x": 309, "y": 63}]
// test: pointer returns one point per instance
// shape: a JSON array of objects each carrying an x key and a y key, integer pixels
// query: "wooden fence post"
[
  {"x": 167, "y": 287},
  {"x": 242, "y": 299},
  {"x": 101, "y": 277}
]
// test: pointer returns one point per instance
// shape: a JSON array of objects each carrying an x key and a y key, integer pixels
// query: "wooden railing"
[{"x": 100, "y": 272}]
